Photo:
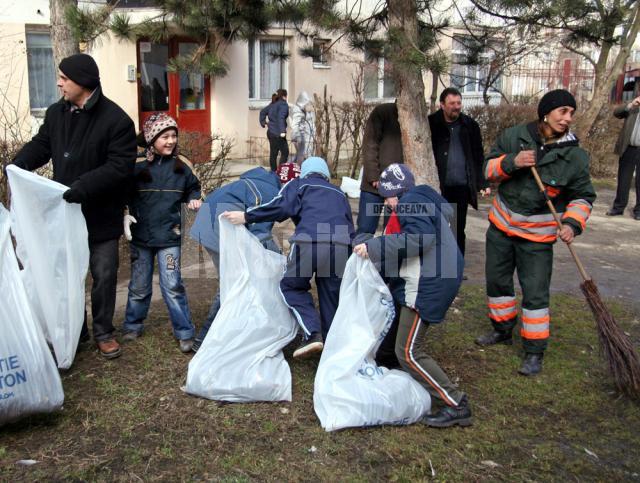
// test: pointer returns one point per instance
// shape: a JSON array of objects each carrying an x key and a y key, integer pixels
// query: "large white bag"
[
  {"x": 350, "y": 389},
  {"x": 52, "y": 245},
  {"x": 29, "y": 380},
  {"x": 241, "y": 358}
]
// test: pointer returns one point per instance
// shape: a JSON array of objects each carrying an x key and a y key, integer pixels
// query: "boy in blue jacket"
[
  {"x": 255, "y": 187},
  {"x": 163, "y": 181},
  {"x": 424, "y": 268},
  {"x": 320, "y": 247}
]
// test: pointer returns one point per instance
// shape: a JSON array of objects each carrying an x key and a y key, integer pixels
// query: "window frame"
[
  {"x": 39, "y": 29},
  {"x": 472, "y": 73},
  {"x": 380, "y": 97},
  {"x": 258, "y": 101},
  {"x": 325, "y": 56}
]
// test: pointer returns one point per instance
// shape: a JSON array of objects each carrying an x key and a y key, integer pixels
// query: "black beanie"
[
  {"x": 553, "y": 100},
  {"x": 81, "y": 69}
]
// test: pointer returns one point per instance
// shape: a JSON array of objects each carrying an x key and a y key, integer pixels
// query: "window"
[
  {"x": 320, "y": 53},
  {"x": 267, "y": 68},
  {"x": 469, "y": 69},
  {"x": 133, "y": 3},
  {"x": 154, "y": 85},
  {"x": 378, "y": 81},
  {"x": 42, "y": 74}
]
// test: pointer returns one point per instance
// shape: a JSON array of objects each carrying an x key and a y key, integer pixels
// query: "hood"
[
  {"x": 303, "y": 99},
  {"x": 426, "y": 194},
  {"x": 261, "y": 174}
]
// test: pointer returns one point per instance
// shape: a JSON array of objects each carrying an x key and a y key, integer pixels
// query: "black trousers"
[
  {"x": 629, "y": 162},
  {"x": 277, "y": 145},
  {"x": 103, "y": 264},
  {"x": 459, "y": 196}
]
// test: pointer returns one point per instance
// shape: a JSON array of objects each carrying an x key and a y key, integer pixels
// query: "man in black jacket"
[
  {"x": 457, "y": 148},
  {"x": 92, "y": 145}
]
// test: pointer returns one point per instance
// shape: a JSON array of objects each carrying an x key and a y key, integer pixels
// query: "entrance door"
[{"x": 184, "y": 96}]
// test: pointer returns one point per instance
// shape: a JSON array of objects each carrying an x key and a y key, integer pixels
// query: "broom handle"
[{"x": 556, "y": 217}]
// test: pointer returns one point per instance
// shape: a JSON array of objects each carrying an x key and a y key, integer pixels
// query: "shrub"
[{"x": 599, "y": 143}]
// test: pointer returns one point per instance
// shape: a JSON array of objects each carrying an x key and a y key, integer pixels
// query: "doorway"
[{"x": 184, "y": 96}]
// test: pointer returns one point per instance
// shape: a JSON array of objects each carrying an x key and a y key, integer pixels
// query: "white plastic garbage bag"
[
  {"x": 52, "y": 245},
  {"x": 29, "y": 380},
  {"x": 350, "y": 389},
  {"x": 350, "y": 186},
  {"x": 241, "y": 358}
]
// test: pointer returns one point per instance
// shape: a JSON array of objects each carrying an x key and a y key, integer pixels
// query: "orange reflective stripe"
[
  {"x": 523, "y": 224},
  {"x": 505, "y": 305},
  {"x": 503, "y": 318},
  {"x": 534, "y": 335},
  {"x": 494, "y": 171},
  {"x": 539, "y": 320},
  {"x": 580, "y": 219},
  {"x": 526, "y": 236},
  {"x": 584, "y": 208},
  {"x": 552, "y": 191}
]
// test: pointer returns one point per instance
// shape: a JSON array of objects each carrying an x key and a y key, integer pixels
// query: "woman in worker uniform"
[{"x": 522, "y": 229}]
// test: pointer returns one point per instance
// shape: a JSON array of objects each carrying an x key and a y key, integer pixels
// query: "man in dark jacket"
[
  {"x": 628, "y": 148},
  {"x": 457, "y": 148},
  {"x": 92, "y": 144},
  {"x": 381, "y": 146}
]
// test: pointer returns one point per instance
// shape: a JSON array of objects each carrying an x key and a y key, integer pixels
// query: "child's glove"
[{"x": 128, "y": 220}]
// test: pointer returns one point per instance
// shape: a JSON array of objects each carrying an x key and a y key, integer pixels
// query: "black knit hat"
[
  {"x": 553, "y": 100},
  {"x": 81, "y": 69}
]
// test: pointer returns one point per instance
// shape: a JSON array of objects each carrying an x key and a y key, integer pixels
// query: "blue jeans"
[
  {"x": 369, "y": 208},
  {"x": 171, "y": 286},
  {"x": 215, "y": 304}
]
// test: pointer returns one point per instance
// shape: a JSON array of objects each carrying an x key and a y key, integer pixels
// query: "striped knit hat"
[{"x": 156, "y": 125}]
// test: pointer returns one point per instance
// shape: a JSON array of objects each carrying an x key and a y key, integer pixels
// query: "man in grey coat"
[{"x": 628, "y": 148}]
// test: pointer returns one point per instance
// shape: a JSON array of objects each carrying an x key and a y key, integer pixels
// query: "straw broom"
[{"x": 616, "y": 347}]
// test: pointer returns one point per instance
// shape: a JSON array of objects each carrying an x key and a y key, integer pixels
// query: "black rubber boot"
[
  {"x": 495, "y": 337},
  {"x": 531, "y": 365},
  {"x": 450, "y": 416}
]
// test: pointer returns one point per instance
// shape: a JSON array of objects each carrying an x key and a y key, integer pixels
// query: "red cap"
[{"x": 288, "y": 171}]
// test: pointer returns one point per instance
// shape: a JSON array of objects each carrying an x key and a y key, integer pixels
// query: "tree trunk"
[
  {"x": 62, "y": 40},
  {"x": 435, "y": 77},
  {"x": 412, "y": 106},
  {"x": 605, "y": 78}
]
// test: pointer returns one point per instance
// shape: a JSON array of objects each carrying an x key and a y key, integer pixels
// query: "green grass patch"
[{"x": 127, "y": 419}]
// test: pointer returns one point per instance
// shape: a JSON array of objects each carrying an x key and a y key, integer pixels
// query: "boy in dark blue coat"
[
  {"x": 320, "y": 247},
  {"x": 163, "y": 181},
  {"x": 424, "y": 268},
  {"x": 255, "y": 187}
]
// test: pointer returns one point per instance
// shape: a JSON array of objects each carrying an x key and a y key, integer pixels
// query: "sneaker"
[
  {"x": 614, "y": 212},
  {"x": 448, "y": 416},
  {"x": 186, "y": 345},
  {"x": 531, "y": 365},
  {"x": 109, "y": 349},
  {"x": 196, "y": 345},
  {"x": 310, "y": 346},
  {"x": 494, "y": 337},
  {"x": 130, "y": 336}
]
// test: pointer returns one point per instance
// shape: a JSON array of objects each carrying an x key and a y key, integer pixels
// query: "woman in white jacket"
[{"x": 303, "y": 127}]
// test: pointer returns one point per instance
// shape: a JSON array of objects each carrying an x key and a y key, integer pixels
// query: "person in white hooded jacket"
[{"x": 303, "y": 127}]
